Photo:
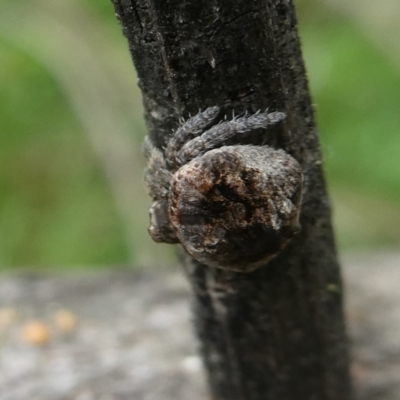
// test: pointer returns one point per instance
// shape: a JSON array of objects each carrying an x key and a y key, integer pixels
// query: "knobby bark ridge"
[{"x": 276, "y": 333}]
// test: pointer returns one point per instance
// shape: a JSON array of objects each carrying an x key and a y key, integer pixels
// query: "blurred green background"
[{"x": 71, "y": 191}]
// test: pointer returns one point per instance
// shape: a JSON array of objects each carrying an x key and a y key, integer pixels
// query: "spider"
[{"x": 230, "y": 206}]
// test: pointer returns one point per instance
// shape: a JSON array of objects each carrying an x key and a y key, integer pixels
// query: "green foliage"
[
  {"x": 357, "y": 107},
  {"x": 356, "y": 92},
  {"x": 57, "y": 206}
]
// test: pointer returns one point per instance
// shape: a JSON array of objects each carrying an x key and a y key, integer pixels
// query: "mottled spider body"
[{"x": 232, "y": 207}]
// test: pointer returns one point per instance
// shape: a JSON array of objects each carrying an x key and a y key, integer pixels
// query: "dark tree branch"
[{"x": 276, "y": 333}]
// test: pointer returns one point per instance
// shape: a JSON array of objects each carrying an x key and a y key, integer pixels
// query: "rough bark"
[{"x": 276, "y": 333}]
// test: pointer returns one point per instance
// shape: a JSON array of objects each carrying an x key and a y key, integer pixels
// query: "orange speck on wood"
[
  {"x": 65, "y": 321},
  {"x": 7, "y": 317},
  {"x": 36, "y": 333}
]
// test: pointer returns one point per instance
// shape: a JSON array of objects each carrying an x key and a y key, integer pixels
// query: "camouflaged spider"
[{"x": 233, "y": 207}]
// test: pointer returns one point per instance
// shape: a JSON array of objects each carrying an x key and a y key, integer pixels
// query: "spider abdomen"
[{"x": 236, "y": 207}]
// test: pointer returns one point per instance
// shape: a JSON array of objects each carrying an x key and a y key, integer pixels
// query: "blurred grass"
[
  {"x": 55, "y": 206},
  {"x": 71, "y": 126},
  {"x": 356, "y": 92}
]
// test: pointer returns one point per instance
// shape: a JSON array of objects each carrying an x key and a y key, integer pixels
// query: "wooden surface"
[{"x": 133, "y": 337}]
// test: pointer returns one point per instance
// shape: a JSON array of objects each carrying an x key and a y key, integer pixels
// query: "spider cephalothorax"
[{"x": 232, "y": 207}]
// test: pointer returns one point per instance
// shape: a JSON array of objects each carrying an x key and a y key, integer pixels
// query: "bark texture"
[{"x": 276, "y": 333}]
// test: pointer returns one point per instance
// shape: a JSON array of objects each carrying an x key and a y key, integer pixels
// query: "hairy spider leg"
[
  {"x": 157, "y": 177},
  {"x": 190, "y": 129},
  {"x": 217, "y": 135}
]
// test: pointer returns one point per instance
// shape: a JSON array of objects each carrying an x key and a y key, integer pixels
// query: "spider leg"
[
  {"x": 157, "y": 177},
  {"x": 190, "y": 129},
  {"x": 160, "y": 228},
  {"x": 217, "y": 135}
]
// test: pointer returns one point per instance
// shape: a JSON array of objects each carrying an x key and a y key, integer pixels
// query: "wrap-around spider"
[{"x": 233, "y": 207}]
